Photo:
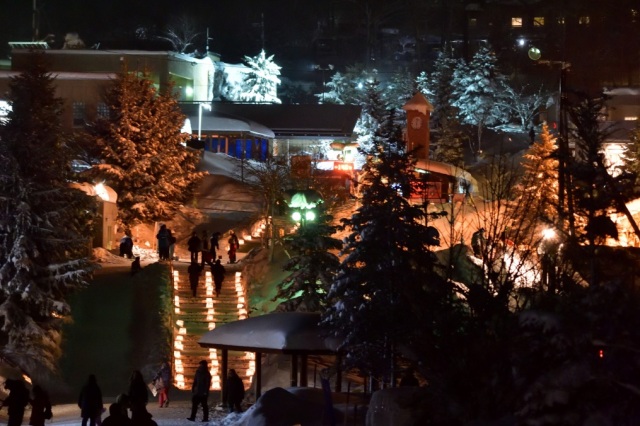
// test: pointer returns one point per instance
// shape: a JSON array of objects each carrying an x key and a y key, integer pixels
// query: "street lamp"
[{"x": 200, "y": 106}]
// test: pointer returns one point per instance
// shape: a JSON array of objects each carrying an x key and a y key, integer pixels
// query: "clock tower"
[{"x": 418, "y": 111}]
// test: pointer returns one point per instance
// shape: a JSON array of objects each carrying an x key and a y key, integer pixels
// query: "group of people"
[
  {"x": 135, "y": 400},
  {"x": 90, "y": 400},
  {"x": 203, "y": 246},
  {"x": 218, "y": 273},
  {"x": 202, "y": 385},
  {"x": 18, "y": 399}
]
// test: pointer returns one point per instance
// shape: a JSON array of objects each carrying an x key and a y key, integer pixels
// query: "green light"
[
  {"x": 296, "y": 216},
  {"x": 310, "y": 215}
]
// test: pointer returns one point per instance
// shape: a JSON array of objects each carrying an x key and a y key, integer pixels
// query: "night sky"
[{"x": 235, "y": 26}]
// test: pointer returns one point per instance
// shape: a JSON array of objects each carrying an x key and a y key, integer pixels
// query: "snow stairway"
[{"x": 194, "y": 316}]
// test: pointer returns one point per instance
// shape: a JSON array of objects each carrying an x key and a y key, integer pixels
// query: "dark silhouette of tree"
[{"x": 45, "y": 224}]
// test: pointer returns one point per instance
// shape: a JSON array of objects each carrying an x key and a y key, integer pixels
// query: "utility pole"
[{"x": 34, "y": 22}]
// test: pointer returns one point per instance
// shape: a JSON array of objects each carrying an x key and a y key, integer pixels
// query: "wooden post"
[
  {"x": 303, "y": 370},
  {"x": 258, "y": 375},
  {"x": 294, "y": 370},
  {"x": 223, "y": 384}
]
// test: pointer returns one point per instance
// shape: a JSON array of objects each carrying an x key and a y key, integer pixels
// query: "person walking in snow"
[
  {"x": 126, "y": 246},
  {"x": 138, "y": 397},
  {"x": 478, "y": 242},
  {"x": 40, "y": 407},
  {"x": 214, "y": 244},
  {"x": 194, "y": 276},
  {"x": 16, "y": 401},
  {"x": 235, "y": 392},
  {"x": 194, "y": 245},
  {"x": 90, "y": 401},
  {"x": 234, "y": 244},
  {"x": 200, "y": 392},
  {"x": 218, "y": 272},
  {"x": 162, "y": 381},
  {"x": 164, "y": 240}
]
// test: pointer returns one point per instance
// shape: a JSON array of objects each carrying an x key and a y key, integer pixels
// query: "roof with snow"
[
  {"x": 298, "y": 121},
  {"x": 222, "y": 123},
  {"x": 418, "y": 103},
  {"x": 281, "y": 332}
]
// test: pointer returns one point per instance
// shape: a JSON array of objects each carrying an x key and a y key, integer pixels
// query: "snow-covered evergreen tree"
[
  {"x": 45, "y": 228},
  {"x": 144, "y": 157},
  {"x": 477, "y": 87},
  {"x": 261, "y": 82},
  {"x": 437, "y": 87},
  {"x": 379, "y": 284},
  {"x": 348, "y": 88},
  {"x": 399, "y": 89},
  {"x": 539, "y": 185},
  {"x": 312, "y": 266}
]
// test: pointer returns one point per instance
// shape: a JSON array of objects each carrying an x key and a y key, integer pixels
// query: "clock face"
[{"x": 416, "y": 122}]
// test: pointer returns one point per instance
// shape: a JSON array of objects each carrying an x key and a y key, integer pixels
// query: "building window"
[
  {"x": 560, "y": 20},
  {"x": 78, "y": 114},
  {"x": 632, "y": 118},
  {"x": 584, "y": 20},
  {"x": 516, "y": 22},
  {"x": 538, "y": 21},
  {"x": 102, "y": 110},
  {"x": 473, "y": 22}
]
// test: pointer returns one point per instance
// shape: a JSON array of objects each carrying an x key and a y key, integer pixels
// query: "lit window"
[
  {"x": 635, "y": 14},
  {"x": 560, "y": 20},
  {"x": 78, "y": 114},
  {"x": 632, "y": 118},
  {"x": 516, "y": 22},
  {"x": 473, "y": 22},
  {"x": 102, "y": 110},
  {"x": 538, "y": 21},
  {"x": 584, "y": 20}
]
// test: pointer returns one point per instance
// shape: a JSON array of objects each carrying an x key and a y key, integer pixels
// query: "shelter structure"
[{"x": 298, "y": 334}]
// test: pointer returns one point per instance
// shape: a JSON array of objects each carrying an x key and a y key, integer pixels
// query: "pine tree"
[
  {"x": 379, "y": 284},
  {"x": 539, "y": 185},
  {"x": 312, "y": 266},
  {"x": 437, "y": 87},
  {"x": 261, "y": 83},
  {"x": 143, "y": 154},
  {"x": 476, "y": 90},
  {"x": 44, "y": 224}
]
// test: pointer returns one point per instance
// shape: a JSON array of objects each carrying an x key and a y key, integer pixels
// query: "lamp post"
[
  {"x": 565, "y": 198},
  {"x": 200, "y": 106}
]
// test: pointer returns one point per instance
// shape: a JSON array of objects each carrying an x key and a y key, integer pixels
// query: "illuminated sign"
[{"x": 342, "y": 166}]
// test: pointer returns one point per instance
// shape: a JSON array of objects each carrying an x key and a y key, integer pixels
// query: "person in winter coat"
[
  {"x": 218, "y": 272},
  {"x": 162, "y": 381},
  {"x": 214, "y": 244},
  {"x": 235, "y": 391},
  {"x": 478, "y": 242},
  {"x": 16, "y": 401},
  {"x": 116, "y": 418},
  {"x": 233, "y": 246},
  {"x": 200, "y": 392},
  {"x": 172, "y": 245},
  {"x": 164, "y": 240},
  {"x": 126, "y": 246},
  {"x": 138, "y": 397},
  {"x": 40, "y": 407},
  {"x": 90, "y": 401},
  {"x": 194, "y": 276},
  {"x": 194, "y": 245}
]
